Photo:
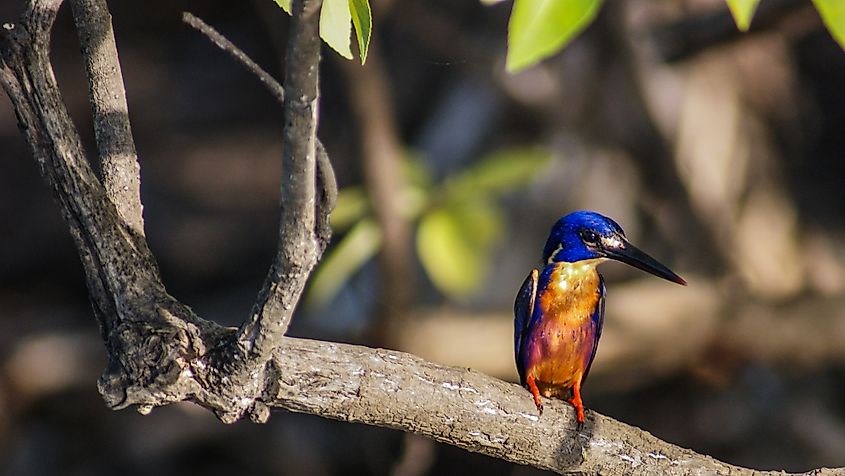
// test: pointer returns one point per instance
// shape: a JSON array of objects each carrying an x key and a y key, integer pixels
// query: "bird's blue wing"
[
  {"x": 523, "y": 308},
  {"x": 598, "y": 322}
]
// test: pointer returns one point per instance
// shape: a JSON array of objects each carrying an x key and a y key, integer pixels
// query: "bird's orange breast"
[{"x": 562, "y": 343}]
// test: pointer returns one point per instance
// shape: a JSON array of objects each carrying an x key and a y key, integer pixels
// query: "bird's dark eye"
[{"x": 589, "y": 236}]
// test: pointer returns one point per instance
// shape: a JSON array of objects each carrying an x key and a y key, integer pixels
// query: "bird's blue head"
[{"x": 584, "y": 235}]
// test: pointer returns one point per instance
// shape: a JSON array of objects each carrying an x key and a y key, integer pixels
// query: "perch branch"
[
  {"x": 469, "y": 410},
  {"x": 118, "y": 158}
]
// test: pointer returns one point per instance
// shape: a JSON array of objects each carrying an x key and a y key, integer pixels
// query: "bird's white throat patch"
[{"x": 570, "y": 273}]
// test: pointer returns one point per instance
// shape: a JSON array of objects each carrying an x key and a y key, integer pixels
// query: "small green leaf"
[
  {"x": 454, "y": 245},
  {"x": 336, "y": 26},
  {"x": 354, "y": 250},
  {"x": 285, "y": 4},
  {"x": 362, "y": 19},
  {"x": 539, "y": 28},
  {"x": 502, "y": 171},
  {"x": 742, "y": 11},
  {"x": 833, "y": 14}
]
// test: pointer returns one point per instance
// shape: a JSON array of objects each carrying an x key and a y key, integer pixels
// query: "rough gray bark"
[
  {"x": 299, "y": 246},
  {"x": 160, "y": 352},
  {"x": 118, "y": 158}
]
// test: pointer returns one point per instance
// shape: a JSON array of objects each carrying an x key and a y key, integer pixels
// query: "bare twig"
[
  {"x": 224, "y": 44},
  {"x": 326, "y": 184},
  {"x": 118, "y": 158}
]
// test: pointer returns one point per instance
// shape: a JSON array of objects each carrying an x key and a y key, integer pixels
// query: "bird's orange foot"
[
  {"x": 532, "y": 386},
  {"x": 578, "y": 404}
]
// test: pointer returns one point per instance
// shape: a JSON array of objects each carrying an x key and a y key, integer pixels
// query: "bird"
[{"x": 559, "y": 310}]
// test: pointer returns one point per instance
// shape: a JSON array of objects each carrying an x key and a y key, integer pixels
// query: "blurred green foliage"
[
  {"x": 537, "y": 28},
  {"x": 459, "y": 223},
  {"x": 540, "y": 28}
]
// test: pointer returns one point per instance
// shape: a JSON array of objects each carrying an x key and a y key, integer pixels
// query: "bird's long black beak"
[{"x": 630, "y": 254}]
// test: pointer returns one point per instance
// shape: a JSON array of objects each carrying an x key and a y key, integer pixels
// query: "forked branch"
[
  {"x": 160, "y": 352},
  {"x": 300, "y": 246}
]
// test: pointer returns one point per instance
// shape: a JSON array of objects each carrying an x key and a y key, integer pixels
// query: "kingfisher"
[{"x": 559, "y": 310}]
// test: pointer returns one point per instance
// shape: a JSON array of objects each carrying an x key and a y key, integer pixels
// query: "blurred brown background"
[{"x": 721, "y": 154}]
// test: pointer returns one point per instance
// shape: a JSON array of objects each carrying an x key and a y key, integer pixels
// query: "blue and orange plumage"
[{"x": 559, "y": 310}]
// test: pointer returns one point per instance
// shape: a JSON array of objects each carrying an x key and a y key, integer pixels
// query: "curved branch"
[
  {"x": 299, "y": 247},
  {"x": 469, "y": 410}
]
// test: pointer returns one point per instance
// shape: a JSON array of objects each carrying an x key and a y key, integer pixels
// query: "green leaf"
[
  {"x": 742, "y": 11},
  {"x": 358, "y": 247},
  {"x": 454, "y": 245},
  {"x": 502, "y": 171},
  {"x": 285, "y": 4},
  {"x": 336, "y": 26},
  {"x": 362, "y": 19},
  {"x": 539, "y": 28},
  {"x": 833, "y": 14}
]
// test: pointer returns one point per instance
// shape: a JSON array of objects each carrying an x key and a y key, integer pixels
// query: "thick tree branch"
[
  {"x": 121, "y": 273},
  {"x": 160, "y": 352},
  {"x": 469, "y": 410},
  {"x": 118, "y": 158},
  {"x": 115, "y": 262}
]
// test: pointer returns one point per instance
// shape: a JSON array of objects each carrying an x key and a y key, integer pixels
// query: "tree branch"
[
  {"x": 470, "y": 410},
  {"x": 118, "y": 158},
  {"x": 227, "y": 46},
  {"x": 121, "y": 273},
  {"x": 303, "y": 233},
  {"x": 160, "y": 352}
]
